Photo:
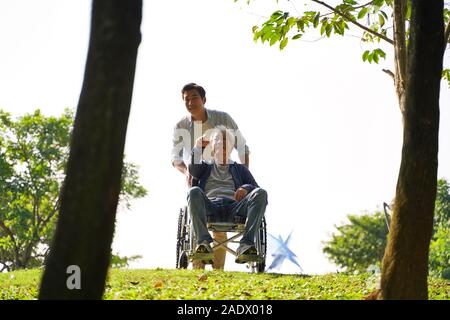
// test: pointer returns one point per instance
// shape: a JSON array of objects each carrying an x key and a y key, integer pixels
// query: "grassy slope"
[{"x": 189, "y": 284}]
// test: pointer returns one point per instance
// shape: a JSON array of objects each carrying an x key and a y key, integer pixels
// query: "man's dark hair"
[{"x": 196, "y": 87}]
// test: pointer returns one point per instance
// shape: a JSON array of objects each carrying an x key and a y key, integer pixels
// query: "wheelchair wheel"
[
  {"x": 261, "y": 266},
  {"x": 181, "y": 255}
]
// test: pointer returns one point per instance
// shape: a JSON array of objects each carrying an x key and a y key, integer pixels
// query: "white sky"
[{"x": 323, "y": 127}]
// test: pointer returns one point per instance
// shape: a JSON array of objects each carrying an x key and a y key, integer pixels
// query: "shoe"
[
  {"x": 246, "y": 253},
  {"x": 204, "y": 252}
]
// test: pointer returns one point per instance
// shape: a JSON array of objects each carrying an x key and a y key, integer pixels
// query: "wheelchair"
[{"x": 186, "y": 241}]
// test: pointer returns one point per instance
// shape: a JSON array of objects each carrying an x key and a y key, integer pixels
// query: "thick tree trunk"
[
  {"x": 91, "y": 189},
  {"x": 405, "y": 263}
]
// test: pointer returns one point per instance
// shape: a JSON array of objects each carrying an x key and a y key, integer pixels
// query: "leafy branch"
[{"x": 352, "y": 20}]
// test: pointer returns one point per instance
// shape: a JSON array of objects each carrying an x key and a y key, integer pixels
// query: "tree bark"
[
  {"x": 405, "y": 263},
  {"x": 90, "y": 194},
  {"x": 401, "y": 57}
]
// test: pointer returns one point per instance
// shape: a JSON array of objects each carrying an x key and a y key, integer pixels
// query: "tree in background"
[
  {"x": 358, "y": 244},
  {"x": 416, "y": 30},
  {"x": 89, "y": 198},
  {"x": 33, "y": 157},
  {"x": 118, "y": 261},
  {"x": 361, "y": 243}
]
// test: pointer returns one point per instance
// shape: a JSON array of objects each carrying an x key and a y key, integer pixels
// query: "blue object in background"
[{"x": 283, "y": 252}]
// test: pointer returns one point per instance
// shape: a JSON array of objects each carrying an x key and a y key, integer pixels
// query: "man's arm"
[
  {"x": 181, "y": 137},
  {"x": 196, "y": 166},
  {"x": 181, "y": 166},
  {"x": 246, "y": 160},
  {"x": 249, "y": 184}
]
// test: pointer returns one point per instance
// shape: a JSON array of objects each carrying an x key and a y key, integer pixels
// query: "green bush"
[{"x": 440, "y": 253}]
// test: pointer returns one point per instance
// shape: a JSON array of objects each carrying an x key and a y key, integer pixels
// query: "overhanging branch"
[
  {"x": 346, "y": 17},
  {"x": 390, "y": 73},
  {"x": 364, "y": 5}
]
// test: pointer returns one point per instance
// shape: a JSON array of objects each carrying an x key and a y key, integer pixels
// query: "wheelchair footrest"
[
  {"x": 203, "y": 256},
  {"x": 244, "y": 258}
]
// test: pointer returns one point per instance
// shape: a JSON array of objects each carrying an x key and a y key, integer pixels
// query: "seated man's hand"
[
  {"x": 240, "y": 194},
  {"x": 201, "y": 142}
]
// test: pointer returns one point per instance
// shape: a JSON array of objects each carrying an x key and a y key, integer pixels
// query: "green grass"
[{"x": 195, "y": 284}]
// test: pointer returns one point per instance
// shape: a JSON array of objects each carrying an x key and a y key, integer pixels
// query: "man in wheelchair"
[{"x": 225, "y": 191}]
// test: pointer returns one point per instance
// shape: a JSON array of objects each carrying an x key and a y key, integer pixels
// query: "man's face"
[
  {"x": 194, "y": 103},
  {"x": 221, "y": 148}
]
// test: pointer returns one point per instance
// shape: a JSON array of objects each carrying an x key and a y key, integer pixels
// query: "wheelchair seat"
[{"x": 225, "y": 227}]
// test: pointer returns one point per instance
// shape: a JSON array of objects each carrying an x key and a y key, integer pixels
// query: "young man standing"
[{"x": 188, "y": 130}]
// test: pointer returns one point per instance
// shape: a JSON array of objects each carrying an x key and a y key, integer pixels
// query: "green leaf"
[
  {"x": 256, "y": 36},
  {"x": 297, "y": 36},
  {"x": 375, "y": 58},
  {"x": 343, "y": 25},
  {"x": 291, "y": 22},
  {"x": 338, "y": 29},
  {"x": 446, "y": 73},
  {"x": 284, "y": 30},
  {"x": 300, "y": 25},
  {"x": 381, "y": 19},
  {"x": 363, "y": 13},
  {"x": 323, "y": 27},
  {"x": 378, "y": 3},
  {"x": 328, "y": 30},
  {"x": 284, "y": 43},
  {"x": 276, "y": 15},
  {"x": 274, "y": 39},
  {"x": 316, "y": 20},
  {"x": 365, "y": 55},
  {"x": 381, "y": 53},
  {"x": 266, "y": 36}
]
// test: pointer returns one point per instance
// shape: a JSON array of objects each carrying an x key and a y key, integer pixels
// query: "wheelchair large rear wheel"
[
  {"x": 181, "y": 255},
  {"x": 260, "y": 266}
]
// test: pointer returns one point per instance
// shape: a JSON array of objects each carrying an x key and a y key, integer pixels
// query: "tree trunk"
[
  {"x": 405, "y": 263},
  {"x": 91, "y": 189},
  {"x": 400, "y": 50}
]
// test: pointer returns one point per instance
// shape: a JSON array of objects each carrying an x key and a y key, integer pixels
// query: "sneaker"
[
  {"x": 204, "y": 252},
  {"x": 246, "y": 253}
]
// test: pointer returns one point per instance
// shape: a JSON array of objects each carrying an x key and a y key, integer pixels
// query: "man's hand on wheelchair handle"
[{"x": 240, "y": 194}]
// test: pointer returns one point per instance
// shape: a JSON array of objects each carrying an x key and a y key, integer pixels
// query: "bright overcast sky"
[{"x": 323, "y": 127}]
